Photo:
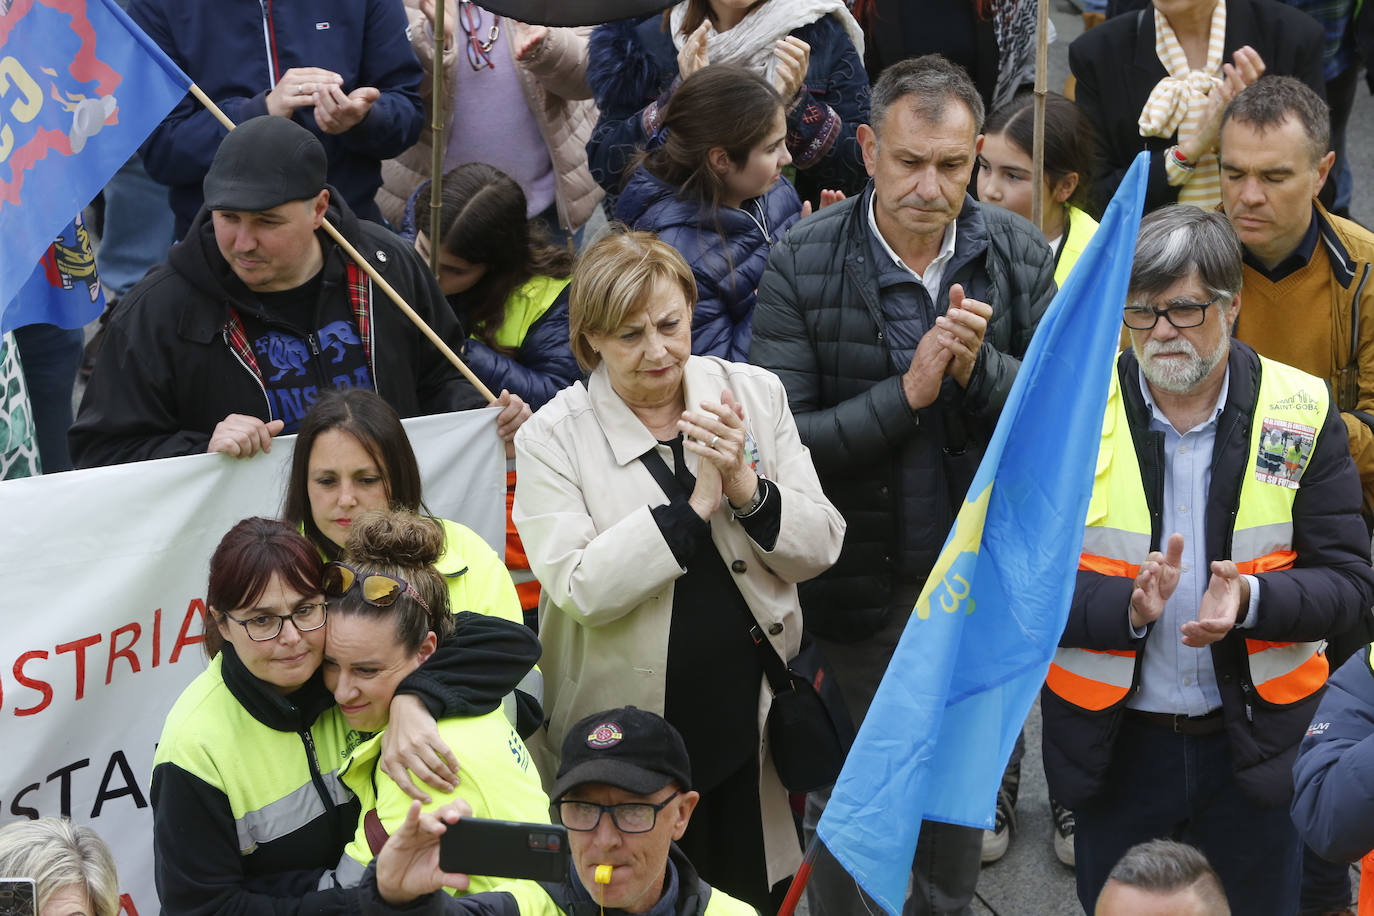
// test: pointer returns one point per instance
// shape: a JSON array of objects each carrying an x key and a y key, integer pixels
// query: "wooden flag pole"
[
  {"x": 1042, "y": 34},
  {"x": 371, "y": 272},
  {"x": 436, "y": 137}
]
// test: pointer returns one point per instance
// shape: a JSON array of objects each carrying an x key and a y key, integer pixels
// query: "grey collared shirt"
[{"x": 1175, "y": 678}]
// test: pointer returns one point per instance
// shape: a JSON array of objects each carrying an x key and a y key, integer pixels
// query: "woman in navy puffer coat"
[
  {"x": 711, "y": 189},
  {"x": 634, "y": 68}
]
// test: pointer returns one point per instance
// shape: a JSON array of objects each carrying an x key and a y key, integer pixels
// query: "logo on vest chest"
[
  {"x": 1301, "y": 401},
  {"x": 1284, "y": 449}
]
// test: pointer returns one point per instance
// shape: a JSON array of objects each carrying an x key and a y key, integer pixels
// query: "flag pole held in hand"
[{"x": 371, "y": 272}]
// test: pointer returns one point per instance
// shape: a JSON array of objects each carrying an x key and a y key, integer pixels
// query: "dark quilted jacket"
[
  {"x": 632, "y": 64},
  {"x": 727, "y": 266},
  {"x": 818, "y": 325}
]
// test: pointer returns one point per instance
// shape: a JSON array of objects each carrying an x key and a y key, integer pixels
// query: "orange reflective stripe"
[
  {"x": 1084, "y": 692},
  {"x": 529, "y": 594},
  {"x": 1367, "y": 885},
  {"x": 1279, "y": 559},
  {"x": 1298, "y": 684},
  {"x": 1108, "y": 566}
]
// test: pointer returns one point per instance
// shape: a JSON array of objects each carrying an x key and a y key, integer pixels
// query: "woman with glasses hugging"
[
  {"x": 249, "y": 813},
  {"x": 389, "y": 610}
]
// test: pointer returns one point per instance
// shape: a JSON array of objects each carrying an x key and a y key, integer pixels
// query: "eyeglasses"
[
  {"x": 378, "y": 590},
  {"x": 263, "y": 627},
  {"x": 1180, "y": 315},
  {"x": 479, "y": 51},
  {"x": 631, "y": 817}
]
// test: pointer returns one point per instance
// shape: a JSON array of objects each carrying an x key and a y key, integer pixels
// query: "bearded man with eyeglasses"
[{"x": 1211, "y": 576}]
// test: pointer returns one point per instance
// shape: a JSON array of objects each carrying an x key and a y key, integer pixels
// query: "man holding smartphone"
[{"x": 623, "y": 792}]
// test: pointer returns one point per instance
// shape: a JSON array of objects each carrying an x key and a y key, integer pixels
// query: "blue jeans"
[
  {"x": 51, "y": 356},
  {"x": 138, "y": 228},
  {"x": 1162, "y": 784}
]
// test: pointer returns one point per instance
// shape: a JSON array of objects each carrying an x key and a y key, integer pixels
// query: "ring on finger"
[{"x": 714, "y": 440}]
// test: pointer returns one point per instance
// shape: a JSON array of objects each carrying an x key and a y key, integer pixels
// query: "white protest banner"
[{"x": 102, "y": 584}]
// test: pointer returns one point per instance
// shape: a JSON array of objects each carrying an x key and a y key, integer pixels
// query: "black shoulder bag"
[{"x": 809, "y": 728}]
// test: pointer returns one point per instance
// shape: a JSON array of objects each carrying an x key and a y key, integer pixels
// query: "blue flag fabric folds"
[
  {"x": 64, "y": 289},
  {"x": 81, "y": 87},
  {"x": 976, "y": 650}
]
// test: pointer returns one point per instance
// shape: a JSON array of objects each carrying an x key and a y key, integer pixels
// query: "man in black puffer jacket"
[{"x": 897, "y": 321}]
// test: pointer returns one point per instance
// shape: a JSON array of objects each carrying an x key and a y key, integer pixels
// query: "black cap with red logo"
[{"x": 629, "y": 748}]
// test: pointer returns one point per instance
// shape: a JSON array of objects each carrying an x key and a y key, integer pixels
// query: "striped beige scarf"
[{"x": 1177, "y": 102}]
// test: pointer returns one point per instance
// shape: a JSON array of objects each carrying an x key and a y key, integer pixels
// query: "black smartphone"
[
  {"x": 18, "y": 897},
  {"x": 505, "y": 849}
]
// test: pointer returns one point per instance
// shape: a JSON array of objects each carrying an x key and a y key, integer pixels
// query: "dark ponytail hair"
[
  {"x": 406, "y": 546},
  {"x": 242, "y": 566},
  {"x": 1069, "y": 139},
  {"x": 719, "y": 105},
  {"x": 482, "y": 220}
]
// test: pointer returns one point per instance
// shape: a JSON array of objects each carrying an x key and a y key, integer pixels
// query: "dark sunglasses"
[{"x": 377, "y": 590}]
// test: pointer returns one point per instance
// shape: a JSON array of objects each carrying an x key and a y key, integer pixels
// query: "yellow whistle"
[{"x": 603, "y": 874}]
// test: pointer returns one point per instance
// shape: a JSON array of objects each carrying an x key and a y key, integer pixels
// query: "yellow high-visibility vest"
[{"x": 1291, "y": 409}]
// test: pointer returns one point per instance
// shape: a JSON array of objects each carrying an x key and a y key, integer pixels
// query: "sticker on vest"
[{"x": 1283, "y": 452}]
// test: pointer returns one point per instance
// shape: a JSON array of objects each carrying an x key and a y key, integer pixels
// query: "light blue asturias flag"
[
  {"x": 978, "y": 645},
  {"x": 81, "y": 87}
]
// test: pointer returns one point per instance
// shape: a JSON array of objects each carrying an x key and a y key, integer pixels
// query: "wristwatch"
[{"x": 752, "y": 505}]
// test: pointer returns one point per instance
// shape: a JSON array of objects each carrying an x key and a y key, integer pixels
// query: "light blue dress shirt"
[{"x": 1175, "y": 678}]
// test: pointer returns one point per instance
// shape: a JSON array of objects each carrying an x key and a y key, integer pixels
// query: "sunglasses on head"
[{"x": 377, "y": 590}]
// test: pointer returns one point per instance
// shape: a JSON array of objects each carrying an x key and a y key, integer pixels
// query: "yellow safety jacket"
[
  {"x": 1292, "y": 408},
  {"x": 496, "y": 777}
]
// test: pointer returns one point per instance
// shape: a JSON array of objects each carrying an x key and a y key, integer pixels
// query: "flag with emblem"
[
  {"x": 81, "y": 87},
  {"x": 979, "y": 642}
]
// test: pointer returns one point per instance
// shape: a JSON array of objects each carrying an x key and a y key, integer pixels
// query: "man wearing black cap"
[
  {"x": 624, "y": 793},
  {"x": 257, "y": 310}
]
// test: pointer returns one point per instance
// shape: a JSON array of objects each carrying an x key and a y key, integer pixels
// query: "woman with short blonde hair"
[
  {"x": 669, "y": 508},
  {"x": 69, "y": 865}
]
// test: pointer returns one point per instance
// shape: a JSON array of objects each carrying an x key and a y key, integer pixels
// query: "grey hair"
[
  {"x": 1176, "y": 240},
  {"x": 927, "y": 83},
  {"x": 1269, "y": 101},
  {"x": 1166, "y": 867},
  {"x": 57, "y": 854}
]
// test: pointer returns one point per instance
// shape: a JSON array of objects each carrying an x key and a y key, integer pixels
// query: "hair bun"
[{"x": 395, "y": 537}]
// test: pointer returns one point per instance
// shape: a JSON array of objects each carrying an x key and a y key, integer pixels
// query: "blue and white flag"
[
  {"x": 976, "y": 650},
  {"x": 81, "y": 87}
]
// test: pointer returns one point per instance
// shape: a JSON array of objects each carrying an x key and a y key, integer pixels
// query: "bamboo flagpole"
[
  {"x": 1042, "y": 53},
  {"x": 371, "y": 271},
  {"x": 436, "y": 136}
]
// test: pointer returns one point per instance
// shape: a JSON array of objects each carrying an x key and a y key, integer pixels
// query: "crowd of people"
[{"x": 749, "y": 283}]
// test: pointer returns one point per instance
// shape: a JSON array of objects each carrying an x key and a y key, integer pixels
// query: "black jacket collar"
[{"x": 293, "y": 713}]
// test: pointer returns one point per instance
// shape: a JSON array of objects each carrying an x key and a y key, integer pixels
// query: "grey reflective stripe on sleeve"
[
  {"x": 508, "y": 707},
  {"x": 348, "y": 874},
  {"x": 288, "y": 813},
  {"x": 520, "y": 576},
  {"x": 533, "y": 684}
]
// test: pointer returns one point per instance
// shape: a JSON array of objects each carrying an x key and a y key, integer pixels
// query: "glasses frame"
[
  {"x": 1164, "y": 313},
  {"x": 281, "y": 621},
  {"x": 478, "y": 51},
  {"x": 611, "y": 810},
  {"x": 358, "y": 578}
]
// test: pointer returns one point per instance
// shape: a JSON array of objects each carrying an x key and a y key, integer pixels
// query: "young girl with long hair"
[
  {"x": 1004, "y": 172},
  {"x": 506, "y": 283},
  {"x": 711, "y": 189}
]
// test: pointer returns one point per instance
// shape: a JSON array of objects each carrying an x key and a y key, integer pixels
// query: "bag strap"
[
  {"x": 779, "y": 678},
  {"x": 667, "y": 481}
]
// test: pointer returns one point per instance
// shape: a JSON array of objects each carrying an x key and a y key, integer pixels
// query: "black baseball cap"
[
  {"x": 629, "y": 748},
  {"x": 264, "y": 162}
]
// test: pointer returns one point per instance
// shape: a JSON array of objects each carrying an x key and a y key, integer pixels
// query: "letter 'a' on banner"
[
  {"x": 976, "y": 650},
  {"x": 81, "y": 86}
]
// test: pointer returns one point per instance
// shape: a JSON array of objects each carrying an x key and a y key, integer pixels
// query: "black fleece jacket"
[{"x": 166, "y": 373}]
